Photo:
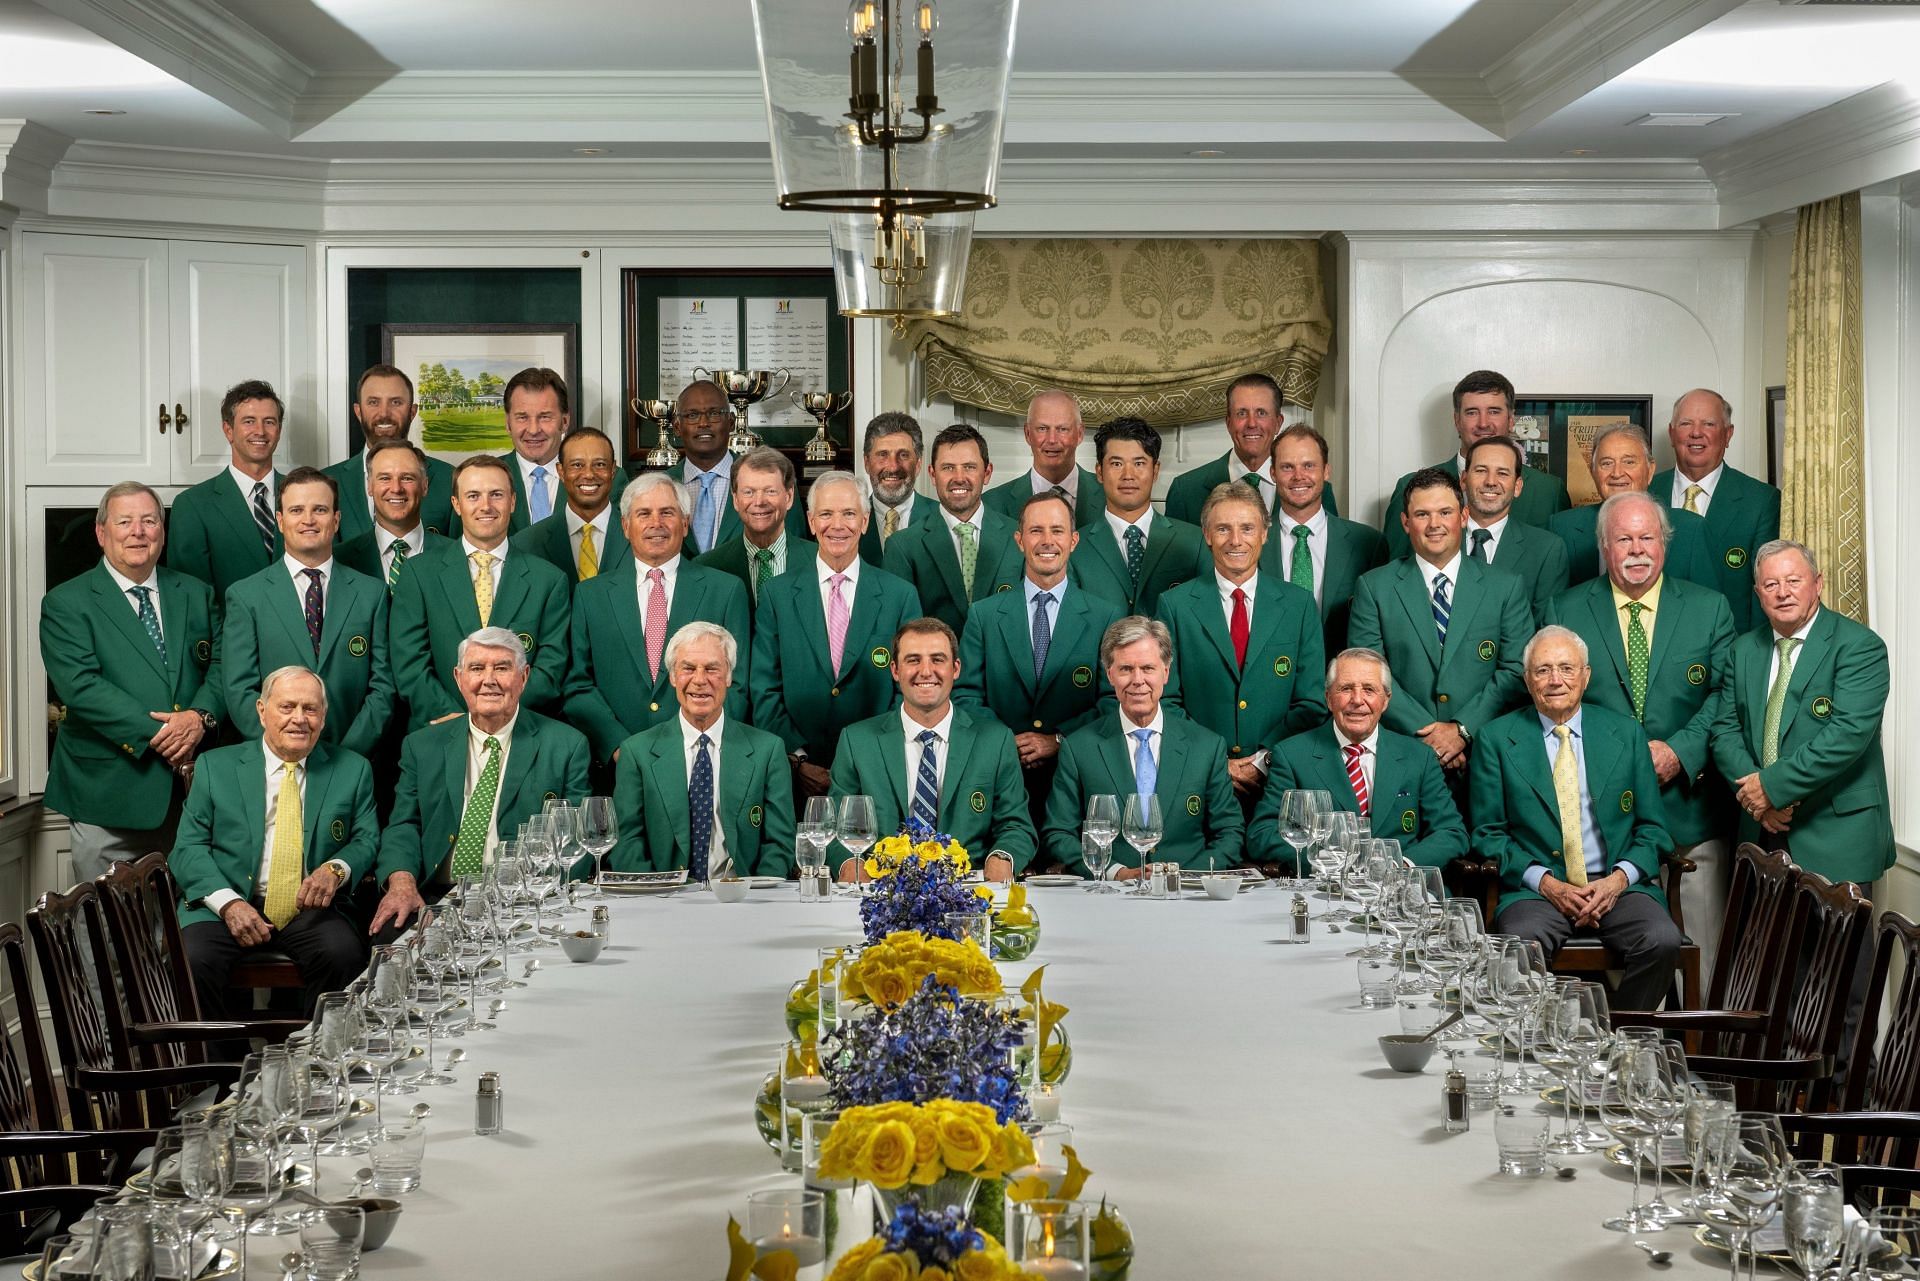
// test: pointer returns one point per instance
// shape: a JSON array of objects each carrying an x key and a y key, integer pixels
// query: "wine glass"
[
  {"x": 1142, "y": 826},
  {"x": 1814, "y": 1209},
  {"x": 1664, "y": 1105},
  {"x": 1752, "y": 1162},
  {"x": 1318, "y": 830},
  {"x": 1709, "y": 1103},
  {"x": 1575, "y": 1029},
  {"x": 1102, "y": 827},
  {"x": 599, "y": 833},
  {"x": 1330, "y": 855},
  {"x": 1296, "y": 824},
  {"x": 859, "y": 829},
  {"x": 390, "y": 999},
  {"x": 816, "y": 828},
  {"x": 564, "y": 819},
  {"x": 436, "y": 955},
  {"x": 1633, "y": 1067}
]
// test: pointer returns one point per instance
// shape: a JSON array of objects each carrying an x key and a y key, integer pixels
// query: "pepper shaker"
[
  {"x": 1454, "y": 1116},
  {"x": 1302, "y": 923},
  {"x": 489, "y": 1105}
]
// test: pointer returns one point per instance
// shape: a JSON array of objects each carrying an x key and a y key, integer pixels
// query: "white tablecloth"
[{"x": 1223, "y": 1091}]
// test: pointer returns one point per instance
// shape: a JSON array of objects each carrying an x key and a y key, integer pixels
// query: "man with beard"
[
  {"x": 1054, "y": 431},
  {"x": 1495, "y": 476},
  {"x": 582, "y": 537},
  {"x": 892, "y": 459},
  {"x": 968, "y": 554},
  {"x": 772, "y": 534},
  {"x": 383, "y": 406},
  {"x": 1254, "y": 422}
]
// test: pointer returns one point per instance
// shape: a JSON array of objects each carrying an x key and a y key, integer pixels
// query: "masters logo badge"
[
  {"x": 754, "y": 815},
  {"x": 1697, "y": 674},
  {"x": 1486, "y": 651},
  {"x": 1822, "y": 707},
  {"x": 1082, "y": 677},
  {"x": 1626, "y": 801},
  {"x": 357, "y": 647},
  {"x": 880, "y": 656},
  {"x": 979, "y": 802},
  {"x": 339, "y": 829},
  {"x": 1283, "y": 666},
  {"x": 1193, "y": 806},
  {"x": 203, "y": 650},
  {"x": 1407, "y": 822},
  {"x": 526, "y": 642},
  {"x": 1736, "y": 557}
]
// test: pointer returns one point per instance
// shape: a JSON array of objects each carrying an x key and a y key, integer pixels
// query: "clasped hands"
[
  {"x": 1759, "y": 806},
  {"x": 179, "y": 734},
  {"x": 1584, "y": 904}
]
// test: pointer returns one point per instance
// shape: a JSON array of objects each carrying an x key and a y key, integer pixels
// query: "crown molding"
[
  {"x": 1872, "y": 137},
  {"x": 29, "y": 153}
]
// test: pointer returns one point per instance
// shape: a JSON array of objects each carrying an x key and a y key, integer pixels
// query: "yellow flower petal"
[
  {"x": 1076, "y": 1180},
  {"x": 740, "y": 1252}
]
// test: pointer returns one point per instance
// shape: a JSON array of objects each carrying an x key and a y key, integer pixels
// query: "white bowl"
[
  {"x": 1220, "y": 887},
  {"x": 729, "y": 891},
  {"x": 582, "y": 945}
]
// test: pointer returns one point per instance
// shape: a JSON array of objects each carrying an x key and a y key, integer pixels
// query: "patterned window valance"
[{"x": 1152, "y": 328}]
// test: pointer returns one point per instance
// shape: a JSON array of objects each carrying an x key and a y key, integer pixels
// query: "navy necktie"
[
  {"x": 926, "y": 787},
  {"x": 700, "y": 810},
  {"x": 1042, "y": 632}
]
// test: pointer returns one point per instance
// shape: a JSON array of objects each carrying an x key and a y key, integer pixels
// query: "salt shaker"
[
  {"x": 603, "y": 922},
  {"x": 1302, "y": 928},
  {"x": 1454, "y": 1116},
  {"x": 489, "y": 1105}
]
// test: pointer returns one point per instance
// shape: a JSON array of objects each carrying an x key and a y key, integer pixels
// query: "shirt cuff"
[
  {"x": 1531, "y": 877},
  {"x": 218, "y": 900},
  {"x": 341, "y": 868},
  {"x": 1633, "y": 873},
  {"x": 1261, "y": 759}
]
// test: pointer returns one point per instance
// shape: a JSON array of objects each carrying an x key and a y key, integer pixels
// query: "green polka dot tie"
[
  {"x": 1637, "y": 655},
  {"x": 1136, "y": 554},
  {"x": 470, "y": 847},
  {"x": 969, "y": 555},
  {"x": 1300, "y": 572}
]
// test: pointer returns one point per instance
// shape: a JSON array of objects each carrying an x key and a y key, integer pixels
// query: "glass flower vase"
[{"x": 952, "y": 1188}]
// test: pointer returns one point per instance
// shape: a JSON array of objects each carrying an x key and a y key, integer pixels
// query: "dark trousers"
[
  {"x": 1638, "y": 930},
  {"x": 324, "y": 943}
]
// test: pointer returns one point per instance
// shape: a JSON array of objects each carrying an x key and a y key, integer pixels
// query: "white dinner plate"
[
  {"x": 1056, "y": 879},
  {"x": 765, "y": 882}
]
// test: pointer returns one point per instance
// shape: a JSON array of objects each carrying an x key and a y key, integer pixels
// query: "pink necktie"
[
  {"x": 836, "y": 621},
  {"x": 656, "y": 621}
]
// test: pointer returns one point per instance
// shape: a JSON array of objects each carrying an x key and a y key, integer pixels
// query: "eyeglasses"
[
  {"x": 1565, "y": 671},
  {"x": 704, "y": 416}
]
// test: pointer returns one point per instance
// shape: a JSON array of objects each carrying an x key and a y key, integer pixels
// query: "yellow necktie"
[
  {"x": 483, "y": 585},
  {"x": 589, "y": 563},
  {"x": 288, "y": 865},
  {"x": 1693, "y": 497},
  {"x": 1566, "y": 790},
  {"x": 889, "y": 523}
]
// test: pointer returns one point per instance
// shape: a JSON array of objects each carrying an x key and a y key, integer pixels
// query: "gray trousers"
[
  {"x": 95, "y": 849},
  {"x": 1703, "y": 897},
  {"x": 1638, "y": 930}
]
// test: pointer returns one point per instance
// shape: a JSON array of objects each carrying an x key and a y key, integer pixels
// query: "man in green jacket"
[
  {"x": 397, "y": 483},
  {"x": 1482, "y": 407},
  {"x": 1622, "y": 463},
  {"x": 1135, "y": 554},
  {"x": 1054, "y": 431},
  {"x": 770, "y": 533},
  {"x": 890, "y": 452},
  {"x": 703, "y": 421},
  {"x": 223, "y": 528},
  {"x": 383, "y": 406},
  {"x": 966, "y": 555},
  {"x": 1143, "y": 751},
  {"x": 1496, "y": 475},
  {"x": 704, "y": 790},
  {"x": 1248, "y": 661},
  {"x": 309, "y": 611},
  {"x": 822, "y": 640},
  {"x": 130, "y": 654},
  {"x": 1311, "y": 547},
  {"x": 444, "y": 596},
  {"x": 1662, "y": 646},
  {"x": 583, "y": 538},
  {"x": 1031, "y": 658},
  {"x": 1797, "y": 733},
  {"x": 1566, "y": 802},
  {"x": 1254, "y": 422},
  {"x": 1742, "y": 513},
  {"x": 620, "y": 682},
  {"x": 538, "y": 416},
  {"x": 310, "y": 808},
  {"x": 469, "y": 782},
  {"x": 955, "y": 770},
  {"x": 1391, "y": 781}
]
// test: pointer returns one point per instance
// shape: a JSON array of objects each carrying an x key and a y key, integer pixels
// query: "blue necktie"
[
  {"x": 263, "y": 515},
  {"x": 926, "y": 786},
  {"x": 1442, "y": 606},
  {"x": 539, "y": 501},
  {"x": 700, "y": 811},
  {"x": 1146, "y": 775},
  {"x": 703, "y": 514},
  {"x": 1042, "y": 632}
]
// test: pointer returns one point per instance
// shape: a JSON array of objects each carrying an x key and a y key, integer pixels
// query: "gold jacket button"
[
  {"x": 1037, "y": 725},
  {"x": 1443, "y": 698},
  {"x": 653, "y": 707},
  {"x": 835, "y": 691},
  {"x": 1243, "y": 704}
]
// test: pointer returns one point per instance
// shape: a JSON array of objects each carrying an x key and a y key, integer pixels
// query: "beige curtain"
[
  {"x": 1151, "y": 328},
  {"x": 1823, "y": 493}
]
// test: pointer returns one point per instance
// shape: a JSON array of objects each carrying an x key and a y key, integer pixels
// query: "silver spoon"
[
  {"x": 1655, "y": 1258},
  {"x": 1565, "y": 1173},
  {"x": 422, "y": 1110},
  {"x": 532, "y": 965},
  {"x": 290, "y": 1265}
]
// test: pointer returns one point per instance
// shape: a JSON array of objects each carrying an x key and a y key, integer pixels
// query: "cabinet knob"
[
  {"x": 166, "y": 419},
  {"x": 179, "y": 417}
]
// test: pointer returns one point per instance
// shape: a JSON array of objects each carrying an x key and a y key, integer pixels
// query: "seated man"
[
  {"x": 1566, "y": 801},
  {"x": 954, "y": 769},
  {"x": 1145, "y": 751},
  {"x": 1391, "y": 781},
  {"x": 467, "y": 783},
  {"x": 704, "y": 791},
  {"x": 274, "y": 829}
]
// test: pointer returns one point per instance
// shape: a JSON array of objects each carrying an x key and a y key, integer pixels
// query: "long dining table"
[{"x": 1226, "y": 1092}]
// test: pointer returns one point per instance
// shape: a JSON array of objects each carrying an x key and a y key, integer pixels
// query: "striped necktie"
[
  {"x": 926, "y": 785},
  {"x": 1442, "y": 606},
  {"x": 589, "y": 559},
  {"x": 263, "y": 515},
  {"x": 1357, "y": 779},
  {"x": 400, "y": 552}
]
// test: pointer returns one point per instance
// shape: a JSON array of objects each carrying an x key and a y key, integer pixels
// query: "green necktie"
[
  {"x": 1136, "y": 553},
  {"x": 762, "y": 569},
  {"x": 400, "y": 553},
  {"x": 470, "y": 847},
  {"x": 1777, "y": 701},
  {"x": 969, "y": 555},
  {"x": 1637, "y": 654},
  {"x": 1300, "y": 572}
]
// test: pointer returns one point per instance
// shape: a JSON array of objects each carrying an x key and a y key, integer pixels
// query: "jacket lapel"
[
  {"x": 520, "y": 762},
  {"x": 669, "y": 768},
  {"x": 1017, "y": 635},
  {"x": 343, "y": 600},
  {"x": 319, "y": 779},
  {"x": 1672, "y": 620},
  {"x": 1530, "y": 750},
  {"x": 1330, "y": 768},
  {"x": 1467, "y": 594},
  {"x": 736, "y": 763},
  {"x": 1603, "y": 750},
  {"x": 938, "y": 540},
  {"x": 235, "y": 510},
  {"x": 860, "y": 621},
  {"x": 999, "y": 559},
  {"x": 1070, "y": 624},
  {"x": 893, "y": 760},
  {"x": 1214, "y": 623},
  {"x": 1607, "y": 627},
  {"x": 512, "y": 592},
  {"x": 290, "y": 610},
  {"x": 1341, "y": 568},
  {"x": 959, "y": 755},
  {"x": 1419, "y": 607},
  {"x": 813, "y": 611},
  {"x": 1269, "y": 603},
  {"x": 1118, "y": 750},
  {"x": 456, "y": 584},
  {"x": 118, "y": 609},
  {"x": 250, "y": 770},
  {"x": 1814, "y": 652},
  {"x": 623, "y": 603},
  {"x": 1159, "y": 538}
]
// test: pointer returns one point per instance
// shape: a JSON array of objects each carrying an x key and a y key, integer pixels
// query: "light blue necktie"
[
  {"x": 1146, "y": 775},
  {"x": 539, "y": 502},
  {"x": 704, "y": 513},
  {"x": 1042, "y": 632},
  {"x": 926, "y": 787}
]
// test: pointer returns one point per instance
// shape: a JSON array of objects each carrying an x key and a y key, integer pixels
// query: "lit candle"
[
  {"x": 1054, "y": 1268},
  {"x": 1044, "y": 1103},
  {"x": 799, "y": 1090},
  {"x": 807, "y": 1252},
  {"x": 1055, "y": 1175}
]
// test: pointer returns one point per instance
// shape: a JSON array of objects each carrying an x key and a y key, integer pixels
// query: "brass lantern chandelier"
[{"x": 900, "y": 149}]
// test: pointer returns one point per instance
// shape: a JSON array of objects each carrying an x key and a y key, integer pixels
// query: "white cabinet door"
[
  {"x": 239, "y": 312},
  {"x": 96, "y": 372}
]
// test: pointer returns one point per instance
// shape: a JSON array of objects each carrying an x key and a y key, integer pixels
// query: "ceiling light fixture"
[
  {"x": 1682, "y": 119},
  {"x": 1207, "y": 153},
  {"x": 589, "y": 151},
  {"x": 1578, "y": 151}
]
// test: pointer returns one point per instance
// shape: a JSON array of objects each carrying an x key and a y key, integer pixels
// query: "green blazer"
[
  {"x": 1200, "y": 819},
  {"x": 1537, "y": 557},
  {"x": 1090, "y": 500},
  {"x": 1477, "y": 676},
  {"x": 1352, "y": 550},
  {"x": 224, "y": 825},
  {"x": 1516, "y": 818},
  {"x": 754, "y": 806},
  {"x": 545, "y": 759},
  {"x": 103, "y": 667},
  {"x": 522, "y": 514},
  {"x": 729, "y": 515},
  {"x": 211, "y": 532},
  {"x": 266, "y": 629},
  {"x": 996, "y": 662},
  {"x": 434, "y": 610},
  {"x": 871, "y": 550},
  {"x": 552, "y": 542},
  {"x": 1174, "y": 553},
  {"x": 436, "y": 507},
  {"x": 1743, "y": 516},
  {"x": 610, "y": 697},
  {"x": 1830, "y": 761},
  {"x": 362, "y": 554},
  {"x": 730, "y": 557},
  {"x": 795, "y": 691},
  {"x": 1409, "y": 802},
  {"x": 1692, "y": 639},
  {"x": 926, "y": 557},
  {"x": 1280, "y": 692},
  {"x": 983, "y": 801},
  {"x": 1687, "y": 555},
  {"x": 1187, "y": 494},
  {"x": 1542, "y": 496}
]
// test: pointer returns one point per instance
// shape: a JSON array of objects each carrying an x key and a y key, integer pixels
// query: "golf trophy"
[
  {"x": 822, "y": 405},
  {"x": 745, "y": 387},
  {"x": 660, "y": 414}
]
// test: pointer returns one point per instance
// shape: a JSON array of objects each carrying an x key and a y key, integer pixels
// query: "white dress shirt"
[
  {"x": 246, "y": 484},
  {"x": 1032, "y": 590},
  {"x": 1041, "y": 485},
  {"x": 415, "y": 539},
  {"x": 1497, "y": 530},
  {"x": 722, "y": 473},
  {"x": 719, "y": 862},
  {"x": 1119, "y": 528},
  {"x": 826, "y": 573},
  {"x": 942, "y": 742},
  {"x": 499, "y": 555},
  {"x": 973, "y": 522},
  {"x": 643, "y": 585},
  {"x": 1369, "y": 754},
  {"x": 904, "y": 510},
  {"x": 126, "y": 586},
  {"x": 1316, "y": 546},
  {"x": 1708, "y": 483},
  {"x": 1773, "y": 663},
  {"x": 576, "y": 522},
  {"x": 551, "y": 483},
  {"x": 779, "y": 549},
  {"x": 1237, "y": 472},
  {"x": 299, "y": 572},
  {"x": 1451, "y": 569},
  {"x": 1226, "y": 587},
  {"x": 219, "y": 898},
  {"x": 1158, "y": 727}
]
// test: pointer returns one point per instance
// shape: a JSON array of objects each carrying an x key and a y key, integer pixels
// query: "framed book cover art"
[{"x": 1558, "y": 433}]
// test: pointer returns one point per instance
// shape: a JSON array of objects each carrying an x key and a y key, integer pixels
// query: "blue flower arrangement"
[
  {"x": 936, "y": 1236},
  {"x": 935, "y": 1045},
  {"x": 918, "y": 894}
]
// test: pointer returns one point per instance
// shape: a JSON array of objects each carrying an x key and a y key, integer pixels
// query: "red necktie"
[
  {"x": 1356, "y": 778},
  {"x": 1238, "y": 627}
]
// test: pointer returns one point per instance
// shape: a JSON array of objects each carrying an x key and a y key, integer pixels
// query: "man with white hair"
[
  {"x": 1567, "y": 804},
  {"x": 703, "y": 791},
  {"x": 1742, "y": 513},
  {"x": 274, "y": 830},
  {"x": 1393, "y": 782},
  {"x": 467, "y": 782},
  {"x": 822, "y": 642},
  {"x": 618, "y": 683},
  {"x": 1622, "y": 463},
  {"x": 1054, "y": 432}
]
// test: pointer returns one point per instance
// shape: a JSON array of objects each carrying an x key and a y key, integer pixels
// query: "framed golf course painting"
[{"x": 460, "y": 370}]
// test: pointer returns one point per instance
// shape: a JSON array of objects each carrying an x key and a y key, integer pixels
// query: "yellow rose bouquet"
[
  {"x": 950, "y": 1254},
  {"x": 918, "y": 843},
  {"x": 891, "y": 1145},
  {"x": 890, "y": 971}
]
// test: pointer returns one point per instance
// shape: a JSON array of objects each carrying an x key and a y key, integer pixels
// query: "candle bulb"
[
  {"x": 1054, "y": 1175},
  {"x": 807, "y": 1252},
  {"x": 1044, "y": 1103},
  {"x": 805, "y": 1089}
]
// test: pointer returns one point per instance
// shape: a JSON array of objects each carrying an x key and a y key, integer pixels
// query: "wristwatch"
[{"x": 209, "y": 723}]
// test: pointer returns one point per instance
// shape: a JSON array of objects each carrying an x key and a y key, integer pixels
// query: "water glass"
[
  {"x": 1418, "y": 1016},
  {"x": 330, "y": 1242},
  {"x": 974, "y": 926},
  {"x": 1898, "y": 1226},
  {"x": 1050, "y": 1238},
  {"x": 397, "y": 1156},
  {"x": 1379, "y": 980},
  {"x": 1521, "y": 1135},
  {"x": 790, "y": 1219},
  {"x": 1097, "y": 836}
]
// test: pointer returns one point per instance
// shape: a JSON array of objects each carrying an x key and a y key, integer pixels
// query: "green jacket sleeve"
[
  {"x": 1487, "y": 802},
  {"x": 359, "y": 853},
  {"x": 1309, "y": 707},
  {"x": 240, "y": 664},
  {"x": 1690, "y": 742},
  {"x": 75, "y": 672},
  {"x": 546, "y": 682},
  {"x": 777, "y": 836},
  {"x": 1860, "y": 683},
  {"x": 1012, "y": 827},
  {"x": 1729, "y": 741},
  {"x": 1649, "y": 843},
  {"x": 400, "y": 840},
  {"x": 1060, "y": 832},
  {"x": 192, "y": 861},
  {"x": 587, "y": 708},
  {"x": 376, "y": 710},
  {"x": 736, "y": 615},
  {"x": 1226, "y": 825},
  {"x": 769, "y": 686},
  {"x": 970, "y": 687},
  {"x": 412, "y": 646},
  {"x": 629, "y": 802},
  {"x": 1446, "y": 833},
  {"x": 1263, "y": 828}
]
